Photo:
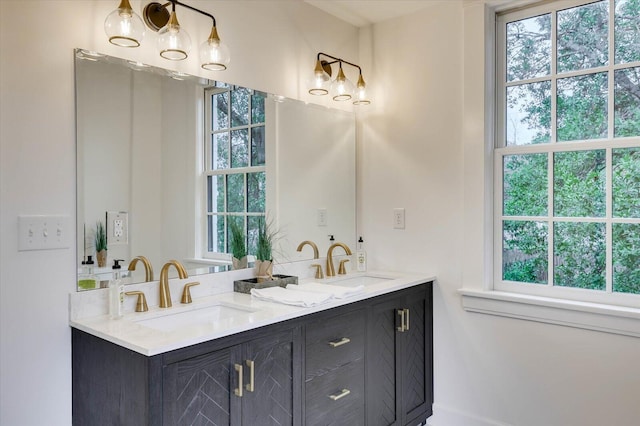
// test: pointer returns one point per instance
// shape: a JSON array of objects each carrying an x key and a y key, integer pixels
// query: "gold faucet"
[
  {"x": 165, "y": 293},
  {"x": 313, "y": 245},
  {"x": 148, "y": 269},
  {"x": 331, "y": 272}
]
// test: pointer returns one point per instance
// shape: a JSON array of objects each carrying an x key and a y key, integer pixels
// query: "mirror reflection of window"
[{"x": 234, "y": 167}]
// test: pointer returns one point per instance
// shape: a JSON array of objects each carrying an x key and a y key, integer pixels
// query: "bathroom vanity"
[{"x": 363, "y": 360}]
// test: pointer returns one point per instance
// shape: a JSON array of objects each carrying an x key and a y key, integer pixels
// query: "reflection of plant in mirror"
[
  {"x": 238, "y": 245},
  {"x": 100, "y": 237},
  {"x": 100, "y": 242}
]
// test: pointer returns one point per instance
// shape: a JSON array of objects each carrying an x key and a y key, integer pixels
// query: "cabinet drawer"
[
  {"x": 337, "y": 398},
  {"x": 334, "y": 342}
]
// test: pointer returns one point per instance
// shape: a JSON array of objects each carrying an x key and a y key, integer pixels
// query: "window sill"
[{"x": 590, "y": 316}]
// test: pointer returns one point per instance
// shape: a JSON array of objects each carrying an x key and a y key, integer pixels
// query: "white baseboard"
[{"x": 448, "y": 416}]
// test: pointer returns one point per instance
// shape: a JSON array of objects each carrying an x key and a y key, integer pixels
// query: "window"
[
  {"x": 234, "y": 165},
  {"x": 567, "y": 157}
]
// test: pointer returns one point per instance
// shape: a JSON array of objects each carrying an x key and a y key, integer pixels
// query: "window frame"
[{"x": 500, "y": 150}]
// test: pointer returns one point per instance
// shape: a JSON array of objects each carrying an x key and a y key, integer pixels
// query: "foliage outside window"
[
  {"x": 234, "y": 165},
  {"x": 567, "y": 157}
]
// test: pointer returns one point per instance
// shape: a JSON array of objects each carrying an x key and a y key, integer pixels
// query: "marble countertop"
[{"x": 162, "y": 329}]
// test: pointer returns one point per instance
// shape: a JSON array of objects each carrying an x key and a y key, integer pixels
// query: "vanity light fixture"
[
  {"x": 341, "y": 89},
  {"x": 174, "y": 42},
  {"x": 124, "y": 27}
]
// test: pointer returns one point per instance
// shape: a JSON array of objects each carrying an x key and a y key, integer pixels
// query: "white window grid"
[{"x": 608, "y": 144}]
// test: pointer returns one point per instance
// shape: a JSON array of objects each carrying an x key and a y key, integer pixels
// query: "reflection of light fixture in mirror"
[
  {"x": 342, "y": 89},
  {"x": 88, "y": 55},
  {"x": 124, "y": 27},
  {"x": 137, "y": 65},
  {"x": 174, "y": 43}
]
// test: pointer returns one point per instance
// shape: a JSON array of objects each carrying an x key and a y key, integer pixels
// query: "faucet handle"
[
  {"x": 319, "y": 274},
  {"x": 141, "y": 303},
  {"x": 186, "y": 293},
  {"x": 341, "y": 269}
]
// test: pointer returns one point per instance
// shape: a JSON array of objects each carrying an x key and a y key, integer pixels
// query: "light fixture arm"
[
  {"x": 156, "y": 15},
  {"x": 327, "y": 64}
]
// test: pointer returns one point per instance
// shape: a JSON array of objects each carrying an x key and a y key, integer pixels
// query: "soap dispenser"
[
  {"x": 87, "y": 279},
  {"x": 116, "y": 291},
  {"x": 361, "y": 256}
]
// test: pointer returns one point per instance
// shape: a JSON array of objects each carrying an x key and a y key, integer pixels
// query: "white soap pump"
[
  {"x": 361, "y": 256},
  {"x": 116, "y": 291}
]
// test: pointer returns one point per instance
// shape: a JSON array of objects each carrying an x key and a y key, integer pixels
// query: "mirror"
[{"x": 140, "y": 157}]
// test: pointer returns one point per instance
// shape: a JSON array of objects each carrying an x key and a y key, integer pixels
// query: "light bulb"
[
  {"x": 124, "y": 27},
  {"x": 214, "y": 55},
  {"x": 361, "y": 93},
  {"x": 341, "y": 88},
  {"x": 173, "y": 42},
  {"x": 319, "y": 80}
]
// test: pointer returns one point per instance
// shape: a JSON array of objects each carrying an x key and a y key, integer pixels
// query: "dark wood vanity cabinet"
[
  {"x": 241, "y": 385},
  {"x": 366, "y": 363},
  {"x": 400, "y": 358}
]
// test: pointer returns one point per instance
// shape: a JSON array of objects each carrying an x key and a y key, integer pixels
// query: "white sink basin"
[
  {"x": 210, "y": 314},
  {"x": 363, "y": 280}
]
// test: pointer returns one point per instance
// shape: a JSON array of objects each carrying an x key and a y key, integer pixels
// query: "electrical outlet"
[
  {"x": 43, "y": 232},
  {"x": 398, "y": 218},
  {"x": 117, "y": 228}
]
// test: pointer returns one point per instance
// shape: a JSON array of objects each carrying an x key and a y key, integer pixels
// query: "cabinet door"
[
  {"x": 383, "y": 344},
  {"x": 199, "y": 390},
  {"x": 276, "y": 377},
  {"x": 416, "y": 358}
]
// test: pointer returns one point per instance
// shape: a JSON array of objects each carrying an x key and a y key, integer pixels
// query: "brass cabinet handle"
[
  {"x": 401, "y": 312},
  {"x": 251, "y": 386},
  {"x": 342, "y": 394},
  {"x": 238, "y": 390},
  {"x": 406, "y": 326},
  {"x": 340, "y": 342}
]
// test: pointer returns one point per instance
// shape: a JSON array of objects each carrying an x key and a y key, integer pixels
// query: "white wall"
[
  {"x": 37, "y": 157},
  {"x": 423, "y": 149}
]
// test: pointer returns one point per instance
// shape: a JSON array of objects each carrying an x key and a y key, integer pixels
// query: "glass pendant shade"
[
  {"x": 341, "y": 88},
  {"x": 124, "y": 27},
  {"x": 361, "y": 93},
  {"x": 319, "y": 81},
  {"x": 173, "y": 42},
  {"x": 214, "y": 55}
]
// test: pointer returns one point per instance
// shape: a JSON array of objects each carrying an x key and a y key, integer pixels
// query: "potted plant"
[
  {"x": 264, "y": 259},
  {"x": 238, "y": 245},
  {"x": 100, "y": 242}
]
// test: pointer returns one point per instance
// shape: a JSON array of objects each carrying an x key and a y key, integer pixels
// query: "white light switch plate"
[{"x": 42, "y": 232}]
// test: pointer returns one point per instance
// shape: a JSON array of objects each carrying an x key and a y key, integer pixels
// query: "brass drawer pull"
[
  {"x": 340, "y": 342},
  {"x": 404, "y": 320},
  {"x": 342, "y": 394},
  {"x": 406, "y": 325},
  {"x": 251, "y": 386},
  {"x": 401, "y": 312},
  {"x": 238, "y": 390}
]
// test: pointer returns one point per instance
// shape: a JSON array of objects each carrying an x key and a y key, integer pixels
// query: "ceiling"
[{"x": 366, "y": 12}]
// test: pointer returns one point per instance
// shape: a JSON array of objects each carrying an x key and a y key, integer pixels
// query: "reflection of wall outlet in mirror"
[
  {"x": 322, "y": 217},
  {"x": 117, "y": 228}
]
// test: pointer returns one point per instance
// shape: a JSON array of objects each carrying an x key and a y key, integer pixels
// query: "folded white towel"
[
  {"x": 334, "y": 290},
  {"x": 290, "y": 297}
]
